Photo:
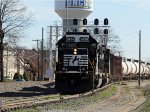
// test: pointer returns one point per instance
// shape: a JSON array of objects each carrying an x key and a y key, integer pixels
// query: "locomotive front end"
[{"x": 72, "y": 69}]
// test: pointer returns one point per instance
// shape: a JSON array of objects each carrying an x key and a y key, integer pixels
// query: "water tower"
[{"x": 70, "y": 10}]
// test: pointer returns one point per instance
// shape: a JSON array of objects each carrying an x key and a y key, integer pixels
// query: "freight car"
[
  {"x": 127, "y": 69},
  {"x": 130, "y": 69},
  {"x": 82, "y": 64}
]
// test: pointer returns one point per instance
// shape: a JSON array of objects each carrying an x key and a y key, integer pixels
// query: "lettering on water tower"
[{"x": 78, "y": 4}]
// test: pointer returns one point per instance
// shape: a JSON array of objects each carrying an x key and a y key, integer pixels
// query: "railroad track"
[
  {"x": 42, "y": 100},
  {"x": 28, "y": 102}
]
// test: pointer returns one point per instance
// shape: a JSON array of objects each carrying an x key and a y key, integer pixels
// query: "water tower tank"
[{"x": 70, "y": 9}]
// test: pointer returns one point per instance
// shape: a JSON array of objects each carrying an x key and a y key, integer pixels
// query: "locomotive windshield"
[
  {"x": 78, "y": 45},
  {"x": 71, "y": 45}
]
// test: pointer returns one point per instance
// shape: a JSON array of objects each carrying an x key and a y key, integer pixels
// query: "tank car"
[
  {"x": 122, "y": 68},
  {"x": 130, "y": 69},
  {"x": 77, "y": 66}
]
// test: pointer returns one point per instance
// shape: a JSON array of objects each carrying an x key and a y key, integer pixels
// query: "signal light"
[
  {"x": 106, "y": 31},
  {"x": 85, "y": 30},
  {"x": 84, "y": 21},
  {"x": 75, "y": 22},
  {"x": 96, "y": 22},
  {"x": 106, "y": 21},
  {"x": 96, "y": 31}
]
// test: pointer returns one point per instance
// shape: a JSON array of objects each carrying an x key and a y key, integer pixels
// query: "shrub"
[
  {"x": 21, "y": 76},
  {"x": 17, "y": 76},
  {"x": 25, "y": 76}
]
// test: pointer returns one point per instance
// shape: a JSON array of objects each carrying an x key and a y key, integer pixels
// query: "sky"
[{"x": 126, "y": 18}]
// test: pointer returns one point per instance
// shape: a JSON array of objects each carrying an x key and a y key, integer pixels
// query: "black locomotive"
[{"x": 79, "y": 63}]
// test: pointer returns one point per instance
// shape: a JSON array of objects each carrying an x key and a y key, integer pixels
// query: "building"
[{"x": 11, "y": 63}]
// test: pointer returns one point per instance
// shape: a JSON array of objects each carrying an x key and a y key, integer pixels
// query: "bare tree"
[
  {"x": 14, "y": 18},
  {"x": 29, "y": 60},
  {"x": 29, "y": 64},
  {"x": 114, "y": 43}
]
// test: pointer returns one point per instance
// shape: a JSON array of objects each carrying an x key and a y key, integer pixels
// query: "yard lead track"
[{"x": 42, "y": 100}]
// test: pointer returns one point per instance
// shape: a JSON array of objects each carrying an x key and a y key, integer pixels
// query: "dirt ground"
[{"x": 128, "y": 98}]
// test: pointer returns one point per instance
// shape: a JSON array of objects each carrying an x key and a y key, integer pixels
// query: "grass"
[
  {"x": 52, "y": 97},
  {"x": 8, "y": 80},
  {"x": 127, "y": 89},
  {"x": 26, "y": 110},
  {"x": 146, "y": 106},
  {"x": 74, "y": 104}
]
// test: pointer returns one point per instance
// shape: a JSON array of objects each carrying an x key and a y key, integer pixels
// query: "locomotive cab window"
[{"x": 83, "y": 45}]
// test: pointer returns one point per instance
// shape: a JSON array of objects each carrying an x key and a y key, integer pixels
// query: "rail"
[{"x": 42, "y": 100}]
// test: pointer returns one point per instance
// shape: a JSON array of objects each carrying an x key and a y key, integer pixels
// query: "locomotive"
[{"x": 82, "y": 64}]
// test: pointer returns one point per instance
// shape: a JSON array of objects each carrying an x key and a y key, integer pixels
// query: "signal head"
[
  {"x": 106, "y": 22},
  {"x": 96, "y": 22}
]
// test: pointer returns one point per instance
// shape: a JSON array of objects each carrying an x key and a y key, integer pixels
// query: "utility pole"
[
  {"x": 51, "y": 47},
  {"x": 42, "y": 47},
  {"x": 7, "y": 62},
  {"x": 18, "y": 61},
  {"x": 38, "y": 57},
  {"x": 1, "y": 59},
  {"x": 1, "y": 52},
  {"x": 139, "y": 58}
]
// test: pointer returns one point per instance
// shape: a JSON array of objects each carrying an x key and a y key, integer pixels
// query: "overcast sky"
[{"x": 126, "y": 18}]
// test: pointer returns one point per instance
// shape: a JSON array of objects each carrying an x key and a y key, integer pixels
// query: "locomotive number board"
[{"x": 77, "y": 38}]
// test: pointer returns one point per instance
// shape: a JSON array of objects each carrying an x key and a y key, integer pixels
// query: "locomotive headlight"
[{"x": 75, "y": 51}]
